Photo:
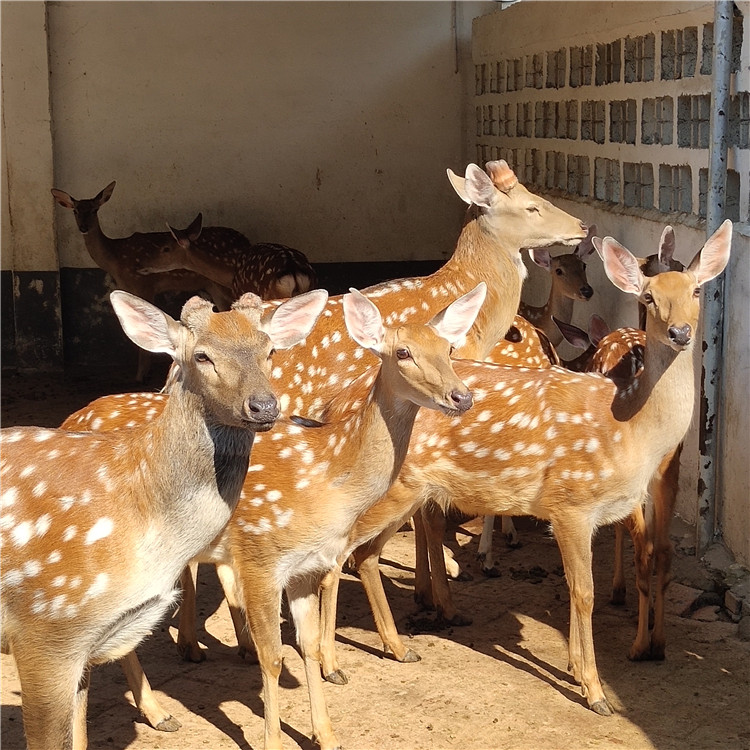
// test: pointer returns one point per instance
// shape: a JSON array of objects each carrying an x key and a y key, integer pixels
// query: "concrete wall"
[
  {"x": 325, "y": 126},
  {"x": 537, "y": 120}
]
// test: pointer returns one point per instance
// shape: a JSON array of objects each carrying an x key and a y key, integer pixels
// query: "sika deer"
[
  {"x": 157, "y": 494},
  {"x": 278, "y": 539},
  {"x": 124, "y": 257},
  {"x": 228, "y": 258},
  {"x": 566, "y": 447},
  {"x": 569, "y": 283}
]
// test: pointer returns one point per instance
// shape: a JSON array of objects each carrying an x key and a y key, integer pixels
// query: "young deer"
[
  {"x": 278, "y": 539},
  {"x": 124, "y": 257},
  {"x": 570, "y": 448},
  {"x": 96, "y": 528},
  {"x": 569, "y": 283},
  {"x": 228, "y": 258}
]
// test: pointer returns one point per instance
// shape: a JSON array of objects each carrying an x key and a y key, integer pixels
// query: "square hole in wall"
[
  {"x": 707, "y": 46},
  {"x": 535, "y": 71},
  {"x": 607, "y": 180},
  {"x": 640, "y": 58},
  {"x": 739, "y": 120},
  {"x": 608, "y": 62},
  {"x": 693, "y": 120},
  {"x": 657, "y": 120},
  {"x": 556, "y": 64},
  {"x": 675, "y": 188},
  {"x": 579, "y": 175},
  {"x": 593, "y": 121},
  {"x": 679, "y": 53},
  {"x": 622, "y": 121},
  {"x": 581, "y": 66},
  {"x": 731, "y": 195},
  {"x": 638, "y": 185}
]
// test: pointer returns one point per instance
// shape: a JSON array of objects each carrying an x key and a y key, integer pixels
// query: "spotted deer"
[
  {"x": 569, "y": 283},
  {"x": 228, "y": 258},
  {"x": 567, "y": 447},
  {"x": 95, "y": 528},
  {"x": 124, "y": 257},
  {"x": 278, "y": 539}
]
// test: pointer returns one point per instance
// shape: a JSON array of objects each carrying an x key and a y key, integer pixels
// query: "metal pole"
[{"x": 713, "y": 295}]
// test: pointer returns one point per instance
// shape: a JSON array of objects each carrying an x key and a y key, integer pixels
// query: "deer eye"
[
  {"x": 201, "y": 357},
  {"x": 403, "y": 354},
  {"x": 533, "y": 209},
  {"x": 271, "y": 352},
  {"x": 559, "y": 271},
  {"x": 648, "y": 298},
  {"x": 697, "y": 292}
]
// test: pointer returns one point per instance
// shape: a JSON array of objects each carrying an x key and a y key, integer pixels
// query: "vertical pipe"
[{"x": 713, "y": 315}]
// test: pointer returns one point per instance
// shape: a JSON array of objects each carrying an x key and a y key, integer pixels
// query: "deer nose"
[
  {"x": 462, "y": 400},
  {"x": 584, "y": 227},
  {"x": 263, "y": 410},
  {"x": 587, "y": 292},
  {"x": 680, "y": 335}
]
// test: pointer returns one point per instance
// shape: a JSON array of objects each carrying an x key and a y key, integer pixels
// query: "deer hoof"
[
  {"x": 248, "y": 654},
  {"x": 618, "y": 597},
  {"x": 337, "y": 677},
  {"x": 191, "y": 652},
  {"x": 492, "y": 572},
  {"x": 410, "y": 657},
  {"x": 458, "y": 620},
  {"x": 170, "y": 724},
  {"x": 602, "y": 708}
]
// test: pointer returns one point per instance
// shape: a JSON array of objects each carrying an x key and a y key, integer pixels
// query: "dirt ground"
[{"x": 498, "y": 683}]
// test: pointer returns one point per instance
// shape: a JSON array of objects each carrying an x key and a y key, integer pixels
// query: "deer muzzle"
[
  {"x": 261, "y": 411},
  {"x": 461, "y": 400},
  {"x": 680, "y": 336}
]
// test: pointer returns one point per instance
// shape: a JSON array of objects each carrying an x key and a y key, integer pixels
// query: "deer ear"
[
  {"x": 363, "y": 320},
  {"x": 195, "y": 228},
  {"x": 572, "y": 334},
  {"x": 598, "y": 329},
  {"x": 105, "y": 194},
  {"x": 144, "y": 324},
  {"x": 713, "y": 257},
  {"x": 476, "y": 187},
  {"x": 541, "y": 256},
  {"x": 63, "y": 198},
  {"x": 621, "y": 266},
  {"x": 294, "y": 318},
  {"x": 586, "y": 246},
  {"x": 456, "y": 320},
  {"x": 666, "y": 247}
]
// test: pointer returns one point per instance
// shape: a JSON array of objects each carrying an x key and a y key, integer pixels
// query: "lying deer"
[
  {"x": 228, "y": 258},
  {"x": 96, "y": 528},
  {"x": 278, "y": 539},
  {"x": 570, "y": 448},
  {"x": 124, "y": 257}
]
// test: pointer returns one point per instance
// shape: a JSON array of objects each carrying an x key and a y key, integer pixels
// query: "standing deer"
[
  {"x": 123, "y": 258},
  {"x": 96, "y": 528},
  {"x": 569, "y": 283},
  {"x": 278, "y": 539},
  {"x": 228, "y": 258},
  {"x": 566, "y": 447}
]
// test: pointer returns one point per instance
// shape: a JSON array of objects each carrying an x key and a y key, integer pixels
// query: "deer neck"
[
  {"x": 482, "y": 255},
  {"x": 377, "y": 439},
  {"x": 98, "y": 245},
  {"x": 198, "y": 503},
  {"x": 201, "y": 261},
  {"x": 559, "y": 305},
  {"x": 658, "y": 404}
]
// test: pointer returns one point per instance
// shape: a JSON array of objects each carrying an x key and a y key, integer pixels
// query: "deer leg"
[
  {"x": 618, "y": 578},
  {"x": 187, "y": 635},
  {"x": 262, "y": 608},
  {"x": 144, "y": 697},
  {"x": 644, "y": 560},
  {"x": 367, "y": 562},
  {"x": 49, "y": 697},
  {"x": 304, "y": 606},
  {"x": 574, "y": 540},
  {"x": 228, "y": 581},
  {"x": 665, "y": 495},
  {"x": 80, "y": 732},
  {"x": 329, "y": 594},
  {"x": 422, "y": 582},
  {"x": 484, "y": 553},
  {"x": 434, "y": 523}
]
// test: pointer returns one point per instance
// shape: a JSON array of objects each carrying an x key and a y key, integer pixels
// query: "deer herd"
[{"x": 292, "y": 436}]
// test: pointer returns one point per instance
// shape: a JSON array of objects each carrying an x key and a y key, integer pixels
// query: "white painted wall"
[
  {"x": 527, "y": 28},
  {"x": 325, "y": 126}
]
